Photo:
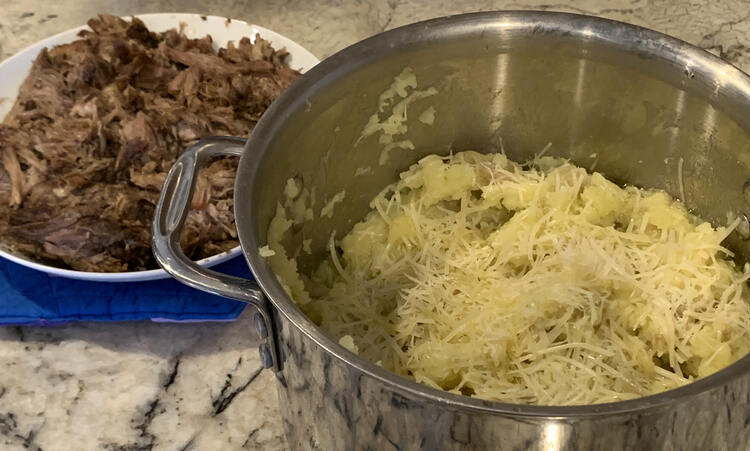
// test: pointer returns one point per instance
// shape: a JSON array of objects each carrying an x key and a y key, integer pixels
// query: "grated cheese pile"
[{"x": 546, "y": 285}]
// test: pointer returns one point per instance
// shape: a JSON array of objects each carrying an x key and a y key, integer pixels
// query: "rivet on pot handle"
[{"x": 169, "y": 217}]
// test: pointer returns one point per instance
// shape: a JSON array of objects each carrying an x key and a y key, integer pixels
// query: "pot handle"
[{"x": 169, "y": 217}]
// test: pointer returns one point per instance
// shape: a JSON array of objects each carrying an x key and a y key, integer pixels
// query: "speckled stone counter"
[{"x": 149, "y": 386}]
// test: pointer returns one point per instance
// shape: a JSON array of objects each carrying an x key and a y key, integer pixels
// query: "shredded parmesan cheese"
[
  {"x": 327, "y": 209},
  {"x": 544, "y": 286},
  {"x": 680, "y": 180},
  {"x": 397, "y": 98}
]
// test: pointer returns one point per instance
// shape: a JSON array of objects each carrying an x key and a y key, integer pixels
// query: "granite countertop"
[{"x": 153, "y": 386}]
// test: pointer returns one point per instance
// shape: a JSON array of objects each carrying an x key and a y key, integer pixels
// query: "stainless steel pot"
[{"x": 647, "y": 109}]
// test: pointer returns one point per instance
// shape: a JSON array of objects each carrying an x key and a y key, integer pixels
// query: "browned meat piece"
[{"x": 99, "y": 122}]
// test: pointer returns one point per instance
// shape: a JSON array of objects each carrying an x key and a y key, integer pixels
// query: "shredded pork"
[{"x": 99, "y": 122}]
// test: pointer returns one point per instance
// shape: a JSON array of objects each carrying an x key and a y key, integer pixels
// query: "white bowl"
[{"x": 15, "y": 69}]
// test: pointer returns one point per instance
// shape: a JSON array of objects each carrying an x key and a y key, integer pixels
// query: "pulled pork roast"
[{"x": 99, "y": 122}]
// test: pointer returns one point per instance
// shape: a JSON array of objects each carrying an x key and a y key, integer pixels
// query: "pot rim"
[{"x": 634, "y": 39}]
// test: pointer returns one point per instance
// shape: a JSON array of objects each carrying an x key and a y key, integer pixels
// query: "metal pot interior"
[{"x": 634, "y": 101}]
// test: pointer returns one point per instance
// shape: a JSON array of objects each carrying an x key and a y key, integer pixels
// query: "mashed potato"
[{"x": 546, "y": 285}]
